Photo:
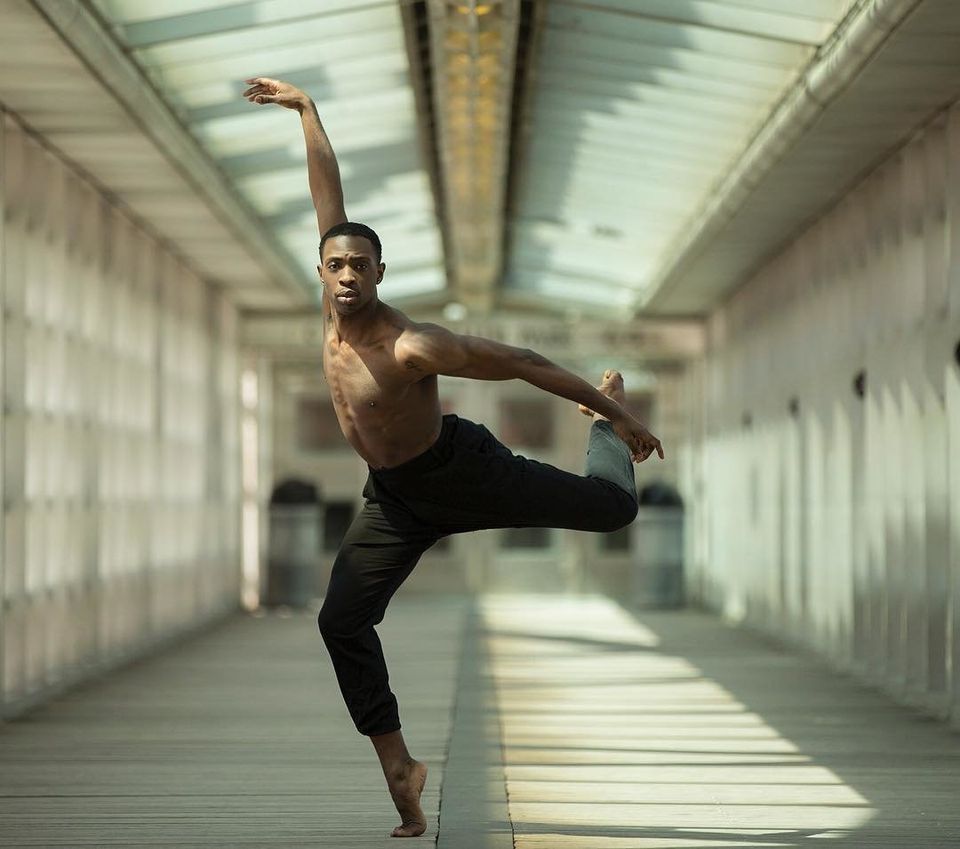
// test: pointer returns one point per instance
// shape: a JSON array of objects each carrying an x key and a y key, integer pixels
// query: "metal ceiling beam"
[{"x": 86, "y": 35}]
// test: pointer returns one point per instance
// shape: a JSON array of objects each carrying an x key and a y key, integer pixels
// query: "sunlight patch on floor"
[{"x": 612, "y": 743}]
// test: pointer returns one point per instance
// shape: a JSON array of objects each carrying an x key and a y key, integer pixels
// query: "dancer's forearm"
[{"x": 322, "y": 170}]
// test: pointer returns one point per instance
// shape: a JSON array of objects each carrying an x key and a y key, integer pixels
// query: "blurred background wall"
[
  {"x": 814, "y": 441},
  {"x": 821, "y": 454},
  {"x": 121, "y": 464},
  {"x": 751, "y": 209}
]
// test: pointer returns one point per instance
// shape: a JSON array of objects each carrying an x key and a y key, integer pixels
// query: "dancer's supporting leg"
[{"x": 378, "y": 552}]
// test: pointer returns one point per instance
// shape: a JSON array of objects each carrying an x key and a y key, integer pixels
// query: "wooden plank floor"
[
  {"x": 672, "y": 730},
  {"x": 575, "y": 726},
  {"x": 239, "y": 738}
]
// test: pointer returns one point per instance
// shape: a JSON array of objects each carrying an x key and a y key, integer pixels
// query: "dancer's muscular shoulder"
[
  {"x": 423, "y": 347},
  {"x": 430, "y": 349}
]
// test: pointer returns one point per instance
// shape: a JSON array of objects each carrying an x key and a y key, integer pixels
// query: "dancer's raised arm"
[{"x": 322, "y": 169}]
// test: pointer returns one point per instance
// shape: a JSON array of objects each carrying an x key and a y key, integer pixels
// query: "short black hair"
[{"x": 353, "y": 228}]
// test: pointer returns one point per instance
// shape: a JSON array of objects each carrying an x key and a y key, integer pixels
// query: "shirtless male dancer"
[{"x": 430, "y": 474}]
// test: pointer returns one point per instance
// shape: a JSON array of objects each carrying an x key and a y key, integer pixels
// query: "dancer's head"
[{"x": 350, "y": 266}]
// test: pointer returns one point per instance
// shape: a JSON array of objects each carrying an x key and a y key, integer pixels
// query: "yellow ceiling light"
[
  {"x": 473, "y": 46},
  {"x": 467, "y": 9}
]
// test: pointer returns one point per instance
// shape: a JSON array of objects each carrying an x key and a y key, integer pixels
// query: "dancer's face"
[{"x": 350, "y": 273}]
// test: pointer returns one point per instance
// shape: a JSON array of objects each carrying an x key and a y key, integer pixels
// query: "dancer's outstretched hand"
[
  {"x": 639, "y": 440},
  {"x": 266, "y": 90}
]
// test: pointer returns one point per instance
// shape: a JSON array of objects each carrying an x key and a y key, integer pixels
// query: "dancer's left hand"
[{"x": 639, "y": 440}]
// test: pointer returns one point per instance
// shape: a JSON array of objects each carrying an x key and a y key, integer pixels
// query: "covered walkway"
[
  {"x": 750, "y": 208},
  {"x": 547, "y": 722}
]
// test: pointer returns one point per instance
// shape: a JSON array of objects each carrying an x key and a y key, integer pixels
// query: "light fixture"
[{"x": 454, "y": 311}]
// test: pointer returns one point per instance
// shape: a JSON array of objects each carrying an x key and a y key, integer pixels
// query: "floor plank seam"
[
  {"x": 458, "y": 694},
  {"x": 474, "y": 804},
  {"x": 503, "y": 760}
]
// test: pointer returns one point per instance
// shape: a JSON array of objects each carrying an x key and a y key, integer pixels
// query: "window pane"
[
  {"x": 616, "y": 540},
  {"x": 525, "y": 538},
  {"x": 640, "y": 406},
  {"x": 527, "y": 423},
  {"x": 317, "y": 426},
  {"x": 336, "y": 519}
]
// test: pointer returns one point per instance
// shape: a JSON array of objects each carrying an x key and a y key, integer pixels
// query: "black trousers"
[{"x": 466, "y": 481}]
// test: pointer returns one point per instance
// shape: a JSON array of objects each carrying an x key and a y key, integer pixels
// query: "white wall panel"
[
  {"x": 120, "y": 482},
  {"x": 838, "y": 525}
]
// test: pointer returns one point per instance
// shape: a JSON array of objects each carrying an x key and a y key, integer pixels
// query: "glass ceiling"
[
  {"x": 639, "y": 109},
  {"x": 641, "y": 106},
  {"x": 350, "y": 56}
]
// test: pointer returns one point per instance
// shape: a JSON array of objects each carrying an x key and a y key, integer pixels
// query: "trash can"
[
  {"x": 656, "y": 547},
  {"x": 295, "y": 531}
]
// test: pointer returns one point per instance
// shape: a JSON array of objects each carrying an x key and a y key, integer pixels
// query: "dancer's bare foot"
[
  {"x": 405, "y": 790},
  {"x": 611, "y": 386},
  {"x": 639, "y": 440}
]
